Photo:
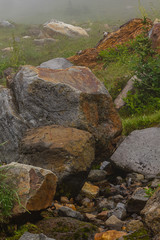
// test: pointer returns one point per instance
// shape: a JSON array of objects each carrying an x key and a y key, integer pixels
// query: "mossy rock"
[
  {"x": 25, "y": 228},
  {"x": 141, "y": 234},
  {"x": 64, "y": 228}
]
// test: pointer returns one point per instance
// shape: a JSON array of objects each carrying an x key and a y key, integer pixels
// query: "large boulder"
[
  {"x": 56, "y": 27},
  {"x": 35, "y": 186},
  {"x": 71, "y": 97},
  {"x": 151, "y": 212},
  {"x": 12, "y": 127},
  {"x": 56, "y": 63},
  {"x": 68, "y": 152},
  {"x": 139, "y": 152}
]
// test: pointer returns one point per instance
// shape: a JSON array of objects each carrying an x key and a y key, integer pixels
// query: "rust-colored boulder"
[
  {"x": 155, "y": 37},
  {"x": 68, "y": 152},
  {"x": 126, "y": 32},
  {"x": 71, "y": 97},
  {"x": 109, "y": 235},
  {"x": 35, "y": 186}
]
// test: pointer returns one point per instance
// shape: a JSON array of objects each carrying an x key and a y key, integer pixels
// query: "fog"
[{"x": 39, "y": 11}]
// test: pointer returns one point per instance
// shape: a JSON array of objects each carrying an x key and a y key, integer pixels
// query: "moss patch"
[{"x": 141, "y": 234}]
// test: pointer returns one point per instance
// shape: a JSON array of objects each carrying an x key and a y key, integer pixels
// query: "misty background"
[{"x": 39, "y": 11}]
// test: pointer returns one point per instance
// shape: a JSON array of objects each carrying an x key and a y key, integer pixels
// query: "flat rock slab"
[
  {"x": 139, "y": 152},
  {"x": 56, "y": 63}
]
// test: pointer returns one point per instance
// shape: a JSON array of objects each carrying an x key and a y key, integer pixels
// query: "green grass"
[{"x": 140, "y": 122}]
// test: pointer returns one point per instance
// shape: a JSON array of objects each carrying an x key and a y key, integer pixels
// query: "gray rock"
[
  {"x": 97, "y": 175},
  {"x": 137, "y": 201},
  {"x": 71, "y": 97},
  {"x": 120, "y": 211},
  {"x": 139, "y": 152},
  {"x": 104, "y": 203},
  {"x": 31, "y": 236},
  {"x": 114, "y": 223},
  {"x": 12, "y": 127},
  {"x": 56, "y": 63},
  {"x": 68, "y": 212},
  {"x": 6, "y": 24}
]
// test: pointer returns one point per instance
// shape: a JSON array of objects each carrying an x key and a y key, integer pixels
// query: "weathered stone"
[
  {"x": 35, "y": 186},
  {"x": 114, "y": 223},
  {"x": 103, "y": 215},
  {"x": 7, "y": 49},
  {"x": 68, "y": 152},
  {"x": 68, "y": 212},
  {"x": 64, "y": 199},
  {"x": 31, "y": 236},
  {"x": 56, "y": 63},
  {"x": 119, "y": 211},
  {"x": 151, "y": 212},
  {"x": 134, "y": 225},
  {"x": 109, "y": 235},
  {"x": 56, "y": 27},
  {"x": 12, "y": 127},
  {"x": 72, "y": 97},
  {"x": 119, "y": 102},
  {"x": 105, "y": 203},
  {"x": 97, "y": 175},
  {"x": 126, "y": 32},
  {"x": 89, "y": 190},
  {"x": 62, "y": 228},
  {"x": 155, "y": 183},
  {"x": 155, "y": 36},
  {"x": 137, "y": 201},
  {"x": 6, "y": 24},
  {"x": 139, "y": 152}
]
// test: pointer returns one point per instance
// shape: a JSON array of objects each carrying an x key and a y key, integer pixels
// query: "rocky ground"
[{"x": 60, "y": 127}]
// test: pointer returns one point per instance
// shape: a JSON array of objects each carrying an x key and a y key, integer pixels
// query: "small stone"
[
  {"x": 109, "y": 235},
  {"x": 119, "y": 180},
  {"x": 72, "y": 206},
  {"x": 117, "y": 198},
  {"x": 119, "y": 211},
  {"x": 31, "y": 236},
  {"x": 97, "y": 175},
  {"x": 90, "y": 191},
  {"x": 134, "y": 225},
  {"x": 114, "y": 223},
  {"x": 90, "y": 216},
  {"x": 68, "y": 212},
  {"x": 107, "y": 167},
  {"x": 155, "y": 183},
  {"x": 64, "y": 200},
  {"x": 103, "y": 215},
  {"x": 137, "y": 201},
  {"x": 105, "y": 204}
]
